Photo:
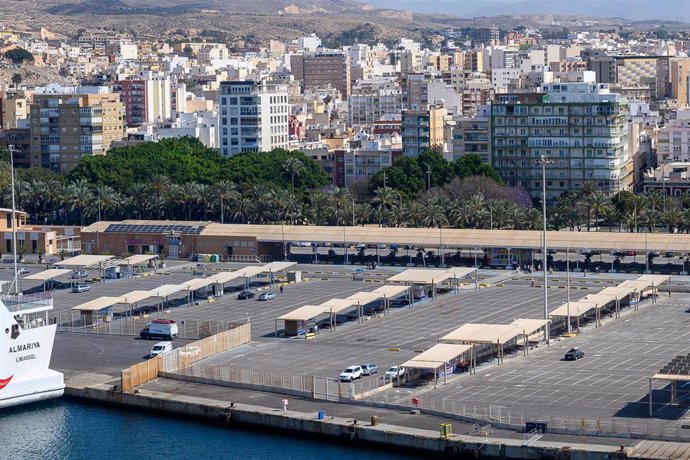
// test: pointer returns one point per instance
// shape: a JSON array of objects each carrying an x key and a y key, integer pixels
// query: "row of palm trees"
[{"x": 79, "y": 203}]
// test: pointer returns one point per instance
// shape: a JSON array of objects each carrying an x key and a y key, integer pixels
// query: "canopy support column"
[{"x": 651, "y": 410}]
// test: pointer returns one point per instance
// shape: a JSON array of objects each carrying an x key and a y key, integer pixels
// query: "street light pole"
[
  {"x": 428, "y": 177},
  {"x": 543, "y": 161}
]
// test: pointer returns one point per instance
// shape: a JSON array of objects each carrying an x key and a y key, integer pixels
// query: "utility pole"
[{"x": 428, "y": 177}]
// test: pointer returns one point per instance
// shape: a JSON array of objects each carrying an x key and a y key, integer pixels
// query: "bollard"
[
  {"x": 285, "y": 404},
  {"x": 374, "y": 420}
]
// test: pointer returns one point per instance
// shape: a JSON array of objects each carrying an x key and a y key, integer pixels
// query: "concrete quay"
[{"x": 419, "y": 434}]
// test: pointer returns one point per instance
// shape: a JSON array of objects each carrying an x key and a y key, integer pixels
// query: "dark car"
[
  {"x": 244, "y": 295},
  {"x": 574, "y": 354}
]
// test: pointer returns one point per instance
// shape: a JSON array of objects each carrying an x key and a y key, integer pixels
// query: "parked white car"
[
  {"x": 160, "y": 348},
  {"x": 351, "y": 373},
  {"x": 395, "y": 372}
]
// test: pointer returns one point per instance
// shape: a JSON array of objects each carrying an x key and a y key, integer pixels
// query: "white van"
[
  {"x": 160, "y": 329},
  {"x": 160, "y": 348}
]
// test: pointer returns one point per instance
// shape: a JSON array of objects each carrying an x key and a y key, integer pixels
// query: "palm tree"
[
  {"x": 189, "y": 196},
  {"x": 106, "y": 199},
  {"x": 225, "y": 191},
  {"x": 362, "y": 213},
  {"x": 342, "y": 202},
  {"x": 241, "y": 209},
  {"x": 293, "y": 167},
  {"x": 318, "y": 210},
  {"x": 171, "y": 194},
  {"x": 648, "y": 218},
  {"x": 588, "y": 190},
  {"x": 80, "y": 196},
  {"x": 598, "y": 202},
  {"x": 530, "y": 218},
  {"x": 17, "y": 79},
  {"x": 611, "y": 216},
  {"x": 435, "y": 215},
  {"x": 139, "y": 194},
  {"x": 384, "y": 199},
  {"x": 654, "y": 199},
  {"x": 673, "y": 218}
]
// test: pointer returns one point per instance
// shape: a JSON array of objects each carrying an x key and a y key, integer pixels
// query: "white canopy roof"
[
  {"x": 98, "y": 304},
  {"x": 529, "y": 325},
  {"x": 197, "y": 283},
  {"x": 437, "y": 356},
  {"x": 366, "y": 297},
  {"x": 391, "y": 291},
  {"x": 278, "y": 266},
  {"x": 304, "y": 313},
  {"x": 82, "y": 261},
  {"x": 137, "y": 296},
  {"x": 138, "y": 259},
  {"x": 225, "y": 277},
  {"x": 167, "y": 290},
  {"x": 577, "y": 308},
  {"x": 48, "y": 274},
  {"x": 421, "y": 276},
  {"x": 338, "y": 305},
  {"x": 483, "y": 333}
]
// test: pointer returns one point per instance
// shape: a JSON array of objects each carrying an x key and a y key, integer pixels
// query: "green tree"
[
  {"x": 472, "y": 165},
  {"x": 17, "y": 79},
  {"x": 19, "y": 55}
]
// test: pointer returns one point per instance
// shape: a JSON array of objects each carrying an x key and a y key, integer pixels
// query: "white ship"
[{"x": 26, "y": 344}]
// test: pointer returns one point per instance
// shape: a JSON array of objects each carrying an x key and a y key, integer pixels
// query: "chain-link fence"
[{"x": 187, "y": 329}]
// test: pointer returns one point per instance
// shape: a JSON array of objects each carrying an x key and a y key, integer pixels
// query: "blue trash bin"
[{"x": 322, "y": 415}]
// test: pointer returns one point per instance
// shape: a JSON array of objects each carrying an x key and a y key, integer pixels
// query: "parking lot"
[{"x": 612, "y": 381}]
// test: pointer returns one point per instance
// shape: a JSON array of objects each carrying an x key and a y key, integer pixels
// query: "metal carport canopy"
[
  {"x": 483, "y": 333},
  {"x": 391, "y": 290},
  {"x": 577, "y": 308},
  {"x": 197, "y": 283},
  {"x": 338, "y": 305},
  {"x": 421, "y": 276},
  {"x": 304, "y": 313},
  {"x": 225, "y": 277},
  {"x": 48, "y": 274},
  {"x": 167, "y": 290},
  {"x": 279, "y": 266},
  {"x": 83, "y": 261},
  {"x": 137, "y": 296},
  {"x": 601, "y": 299},
  {"x": 365, "y": 297},
  {"x": 99, "y": 303},
  {"x": 437, "y": 356},
  {"x": 138, "y": 259},
  {"x": 529, "y": 326}
]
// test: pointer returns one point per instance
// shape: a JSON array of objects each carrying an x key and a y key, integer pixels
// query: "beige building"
[
  {"x": 680, "y": 81},
  {"x": 14, "y": 107},
  {"x": 423, "y": 130},
  {"x": 68, "y": 124}
]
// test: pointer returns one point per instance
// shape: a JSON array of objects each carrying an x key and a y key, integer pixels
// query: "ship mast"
[{"x": 15, "y": 281}]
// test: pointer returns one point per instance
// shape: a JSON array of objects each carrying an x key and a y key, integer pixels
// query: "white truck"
[
  {"x": 160, "y": 329},
  {"x": 160, "y": 348}
]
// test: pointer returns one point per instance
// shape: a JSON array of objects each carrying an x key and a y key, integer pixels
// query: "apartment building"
[
  {"x": 69, "y": 123},
  {"x": 472, "y": 136},
  {"x": 253, "y": 116},
  {"x": 673, "y": 140},
  {"x": 373, "y": 99},
  {"x": 14, "y": 109},
  {"x": 364, "y": 159},
  {"x": 581, "y": 127},
  {"x": 322, "y": 70},
  {"x": 423, "y": 130},
  {"x": 680, "y": 81}
]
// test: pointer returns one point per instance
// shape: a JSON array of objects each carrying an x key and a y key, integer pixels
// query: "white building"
[
  {"x": 372, "y": 99},
  {"x": 674, "y": 139},
  {"x": 253, "y": 116}
]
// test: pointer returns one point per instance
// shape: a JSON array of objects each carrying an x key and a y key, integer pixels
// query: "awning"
[
  {"x": 483, "y": 333},
  {"x": 139, "y": 259},
  {"x": 248, "y": 272},
  {"x": 601, "y": 299},
  {"x": 48, "y": 274},
  {"x": 304, "y": 313},
  {"x": 437, "y": 356},
  {"x": 83, "y": 261},
  {"x": 99, "y": 304},
  {"x": 197, "y": 283},
  {"x": 529, "y": 326},
  {"x": 225, "y": 277}
]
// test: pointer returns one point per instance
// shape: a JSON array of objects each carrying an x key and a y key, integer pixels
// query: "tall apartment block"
[
  {"x": 70, "y": 123},
  {"x": 253, "y": 116},
  {"x": 147, "y": 100},
  {"x": 423, "y": 130},
  {"x": 322, "y": 70},
  {"x": 582, "y": 127}
]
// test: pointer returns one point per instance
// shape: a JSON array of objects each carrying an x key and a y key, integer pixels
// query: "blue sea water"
[{"x": 71, "y": 430}]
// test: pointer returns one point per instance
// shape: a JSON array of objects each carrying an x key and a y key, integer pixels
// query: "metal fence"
[
  {"x": 182, "y": 357},
  {"x": 502, "y": 417},
  {"x": 187, "y": 329}
]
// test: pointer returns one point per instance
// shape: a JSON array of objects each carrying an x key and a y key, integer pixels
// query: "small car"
[
  {"x": 369, "y": 369},
  {"x": 574, "y": 354},
  {"x": 395, "y": 371},
  {"x": 23, "y": 271},
  {"x": 350, "y": 374},
  {"x": 78, "y": 274},
  {"x": 267, "y": 296},
  {"x": 244, "y": 295},
  {"x": 77, "y": 288}
]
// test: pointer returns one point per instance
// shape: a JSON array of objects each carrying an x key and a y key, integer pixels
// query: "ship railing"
[{"x": 19, "y": 303}]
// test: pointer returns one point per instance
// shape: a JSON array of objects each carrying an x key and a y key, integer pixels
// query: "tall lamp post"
[{"x": 543, "y": 161}]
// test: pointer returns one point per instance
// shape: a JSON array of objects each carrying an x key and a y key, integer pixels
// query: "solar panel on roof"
[
  {"x": 154, "y": 228},
  {"x": 680, "y": 365}
]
